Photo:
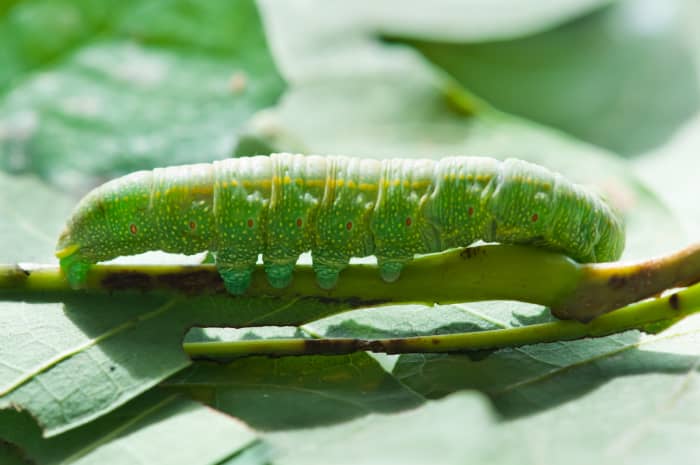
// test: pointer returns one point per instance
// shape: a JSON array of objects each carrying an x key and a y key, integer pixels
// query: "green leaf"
[
  {"x": 418, "y": 320},
  {"x": 140, "y": 85},
  {"x": 460, "y": 429},
  {"x": 529, "y": 379},
  {"x": 143, "y": 431},
  {"x": 296, "y": 392},
  {"x": 68, "y": 364},
  {"x": 301, "y": 47},
  {"x": 32, "y": 217},
  {"x": 36, "y": 33},
  {"x": 670, "y": 173},
  {"x": 622, "y": 78},
  {"x": 622, "y": 402}
]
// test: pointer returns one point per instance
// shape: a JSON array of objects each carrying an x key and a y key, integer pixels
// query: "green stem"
[
  {"x": 647, "y": 315},
  {"x": 490, "y": 272}
]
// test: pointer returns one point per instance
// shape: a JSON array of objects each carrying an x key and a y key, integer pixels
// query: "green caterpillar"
[{"x": 337, "y": 207}]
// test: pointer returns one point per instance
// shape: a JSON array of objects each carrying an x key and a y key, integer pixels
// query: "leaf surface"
[
  {"x": 129, "y": 86},
  {"x": 623, "y": 55},
  {"x": 296, "y": 392},
  {"x": 144, "y": 430}
]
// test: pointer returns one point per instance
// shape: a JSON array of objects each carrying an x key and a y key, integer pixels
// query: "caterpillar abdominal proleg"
[{"x": 338, "y": 207}]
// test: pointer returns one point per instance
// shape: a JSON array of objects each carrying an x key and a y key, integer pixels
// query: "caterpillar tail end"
[{"x": 74, "y": 267}]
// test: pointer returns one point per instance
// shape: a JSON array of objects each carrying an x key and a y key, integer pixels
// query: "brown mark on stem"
[
  {"x": 674, "y": 301},
  {"x": 124, "y": 280},
  {"x": 192, "y": 282},
  {"x": 617, "y": 282}
]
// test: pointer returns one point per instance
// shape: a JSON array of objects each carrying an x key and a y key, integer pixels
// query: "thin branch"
[
  {"x": 490, "y": 272},
  {"x": 650, "y": 315}
]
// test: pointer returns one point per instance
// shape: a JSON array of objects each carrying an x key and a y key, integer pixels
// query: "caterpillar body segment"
[{"x": 337, "y": 207}]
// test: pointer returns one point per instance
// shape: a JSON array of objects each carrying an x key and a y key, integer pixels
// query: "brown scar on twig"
[{"x": 674, "y": 301}]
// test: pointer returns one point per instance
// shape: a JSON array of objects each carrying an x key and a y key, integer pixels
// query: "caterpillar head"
[{"x": 110, "y": 221}]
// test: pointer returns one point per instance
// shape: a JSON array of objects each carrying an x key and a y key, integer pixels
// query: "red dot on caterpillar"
[
  {"x": 535, "y": 217},
  {"x": 470, "y": 212},
  {"x": 250, "y": 222},
  {"x": 348, "y": 226},
  {"x": 133, "y": 229},
  {"x": 299, "y": 222},
  {"x": 408, "y": 221},
  {"x": 193, "y": 225}
]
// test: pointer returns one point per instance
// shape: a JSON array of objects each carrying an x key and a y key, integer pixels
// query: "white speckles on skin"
[{"x": 347, "y": 207}]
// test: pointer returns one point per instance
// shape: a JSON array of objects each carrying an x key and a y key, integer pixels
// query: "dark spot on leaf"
[
  {"x": 674, "y": 301},
  {"x": 112, "y": 368}
]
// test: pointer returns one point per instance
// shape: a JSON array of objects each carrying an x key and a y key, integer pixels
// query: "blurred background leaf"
[
  {"x": 629, "y": 74},
  {"x": 108, "y": 89}
]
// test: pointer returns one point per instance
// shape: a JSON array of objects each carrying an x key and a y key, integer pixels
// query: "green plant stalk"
[
  {"x": 490, "y": 272},
  {"x": 650, "y": 315}
]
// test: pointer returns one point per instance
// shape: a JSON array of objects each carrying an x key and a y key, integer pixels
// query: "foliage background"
[{"x": 604, "y": 92}]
